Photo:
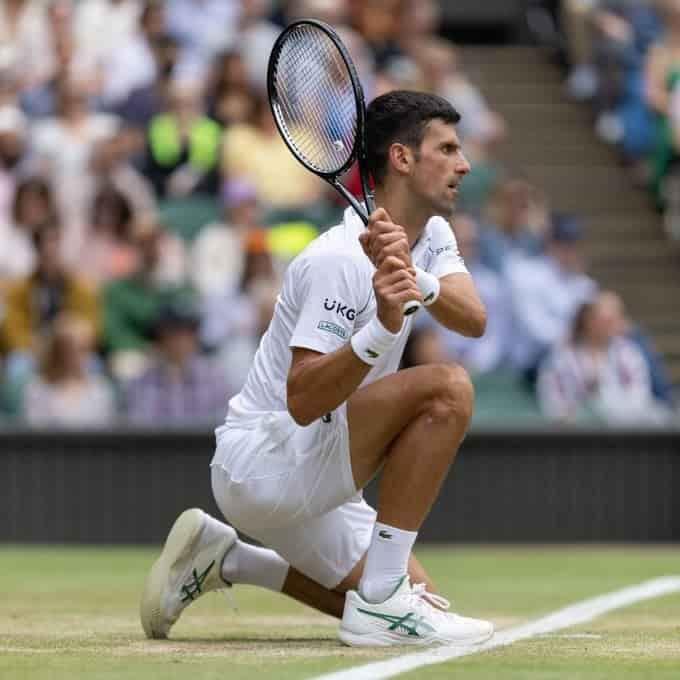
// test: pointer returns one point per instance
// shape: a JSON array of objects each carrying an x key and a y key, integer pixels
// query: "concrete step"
[
  {"x": 654, "y": 296},
  {"x": 636, "y": 227},
  {"x": 673, "y": 368},
  {"x": 668, "y": 344},
  {"x": 648, "y": 259}
]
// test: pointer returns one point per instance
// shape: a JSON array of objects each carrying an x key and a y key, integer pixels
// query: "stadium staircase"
[{"x": 552, "y": 142}]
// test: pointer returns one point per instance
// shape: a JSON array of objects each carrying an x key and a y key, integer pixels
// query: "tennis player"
[{"x": 325, "y": 409}]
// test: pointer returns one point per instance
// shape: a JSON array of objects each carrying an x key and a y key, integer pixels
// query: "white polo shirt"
[{"x": 326, "y": 297}]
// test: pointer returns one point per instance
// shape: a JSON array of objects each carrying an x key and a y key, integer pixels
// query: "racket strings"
[{"x": 315, "y": 106}]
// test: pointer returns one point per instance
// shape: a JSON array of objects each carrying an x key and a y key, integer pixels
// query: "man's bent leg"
[
  {"x": 410, "y": 424},
  {"x": 427, "y": 408}
]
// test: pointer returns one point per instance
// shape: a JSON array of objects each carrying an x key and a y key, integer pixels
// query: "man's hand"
[
  {"x": 383, "y": 238},
  {"x": 394, "y": 284}
]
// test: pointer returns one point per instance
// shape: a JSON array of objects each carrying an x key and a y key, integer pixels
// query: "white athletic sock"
[
  {"x": 248, "y": 564},
  {"x": 386, "y": 561}
]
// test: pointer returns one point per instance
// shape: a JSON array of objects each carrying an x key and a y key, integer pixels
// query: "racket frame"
[{"x": 358, "y": 152}]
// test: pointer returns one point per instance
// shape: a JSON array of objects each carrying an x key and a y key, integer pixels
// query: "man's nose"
[{"x": 463, "y": 166}]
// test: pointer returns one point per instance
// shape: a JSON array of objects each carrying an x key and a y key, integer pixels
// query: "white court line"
[{"x": 580, "y": 612}]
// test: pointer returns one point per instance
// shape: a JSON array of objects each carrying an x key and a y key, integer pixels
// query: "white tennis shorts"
[{"x": 291, "y": 488}]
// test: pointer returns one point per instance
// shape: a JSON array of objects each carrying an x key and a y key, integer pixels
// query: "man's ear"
[{"x": 401, "y": 158}]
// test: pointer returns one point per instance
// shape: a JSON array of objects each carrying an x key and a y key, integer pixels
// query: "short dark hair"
[{"x": 401, "y": 116}]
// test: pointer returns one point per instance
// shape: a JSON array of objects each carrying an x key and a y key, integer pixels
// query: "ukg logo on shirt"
[{"x": 345, "y": 311}]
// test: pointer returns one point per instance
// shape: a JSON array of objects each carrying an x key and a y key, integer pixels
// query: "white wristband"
[
  {"x": 372, "y": 341},
  {"x": 429, "y": 286}
]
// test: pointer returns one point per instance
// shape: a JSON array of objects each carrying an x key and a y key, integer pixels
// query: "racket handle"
[{"x": 411, "y": 307}]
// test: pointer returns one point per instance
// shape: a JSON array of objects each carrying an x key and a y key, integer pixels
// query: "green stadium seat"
[
  {"x": 12, "y": 396},
  {"x": 502, "y": 399},
  {"x": 185, "y": 217}
]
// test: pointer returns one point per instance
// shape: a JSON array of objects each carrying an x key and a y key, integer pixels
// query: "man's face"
[{"x": 438, "y": 168}]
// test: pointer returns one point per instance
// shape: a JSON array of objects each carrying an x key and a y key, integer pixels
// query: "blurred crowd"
[
  {"x": 624, "y": 59},
  {"x": 148, "y": 209}
]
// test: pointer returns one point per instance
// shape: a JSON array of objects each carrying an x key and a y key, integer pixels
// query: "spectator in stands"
[
  {"x": 132, "y": 64},
  {"x": 33, "y": 302},
  {"x": 203, "y": 29},
  {"x": 13, "y": 157},
  {"x": 110, "y": 165},
  {"x": 515, "y": 222},
  {"x": 70, "y": 64},
  {"x": 131, "y": 304},
  {"x": 663, "y": 97},
  {"x": 420, "y": 20},
  {"x": 256, "y": 38},
  {"x": 379, "y": 21},
  {"x": 151, "y": 98},
  {"x": 64, "y": 143},
  {"x": 218, "y": 253},
  {"x": 109, "y": 252},
  {"x": 180, "y": 387},
  {"x": 33, "y": 206},
  {"x": 662, "y": 388},
  {"x": 492, "y": 350},
  {"x": 101, "y": 27},
  {"x": 233, "y": 322},
  {"x": 66, "y": 392},
  {"x": 183, "y": 146},
  {"x": 237, "y": 106},
  {"x": 63, "y": 146},
  {"x": 546, "y": 291},
  {"x": 597, "y": 373},
  {"x": 229, "y": 96},
  {"x": 25, "y": 37},
  {"x": 623, "y": 33},
  {"x": 228, "y": 74},
  {"x": 256, "y": 152}
]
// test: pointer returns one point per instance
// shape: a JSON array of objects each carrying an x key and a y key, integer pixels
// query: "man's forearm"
[
  {"x": 319, "y": 383},
  {"x": 458, "y": 306}
]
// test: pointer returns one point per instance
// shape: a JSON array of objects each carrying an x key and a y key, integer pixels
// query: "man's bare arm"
[
  {"x": 319, "y": 383},
  {"x": 459, "y": 307}
]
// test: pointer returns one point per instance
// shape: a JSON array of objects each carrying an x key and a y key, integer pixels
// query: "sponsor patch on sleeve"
[{"x": 333, "y": 328}]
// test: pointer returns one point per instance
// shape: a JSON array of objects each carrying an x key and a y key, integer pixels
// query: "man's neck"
[{"x": 402, "y": 211}]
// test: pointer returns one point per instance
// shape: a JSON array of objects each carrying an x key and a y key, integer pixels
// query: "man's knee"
[{"x": 451, "y": 397}]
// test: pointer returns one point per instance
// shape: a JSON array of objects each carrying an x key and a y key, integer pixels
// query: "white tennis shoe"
[
  {"x": 410, "y": 616},
  {"x": 189, "y": 566}
]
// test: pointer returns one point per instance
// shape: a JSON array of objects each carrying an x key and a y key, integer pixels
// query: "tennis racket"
[{"x": 318, "y": 106}]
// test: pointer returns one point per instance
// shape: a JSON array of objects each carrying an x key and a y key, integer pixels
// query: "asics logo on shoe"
[
  {"x": 384, "y": 534},
  {"x": 403, "y": 624},
  {"x": 191, "y": 590}
]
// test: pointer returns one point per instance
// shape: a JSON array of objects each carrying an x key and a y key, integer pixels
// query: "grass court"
[{"x": 71, "y": 613}]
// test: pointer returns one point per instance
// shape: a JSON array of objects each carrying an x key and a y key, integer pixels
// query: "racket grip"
[{"x": 411, "y": 307}]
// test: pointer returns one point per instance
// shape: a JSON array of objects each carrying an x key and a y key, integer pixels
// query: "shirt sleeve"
[
  {"x": 446, "y": 257},
  {"x": 330, "y": 295}
]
